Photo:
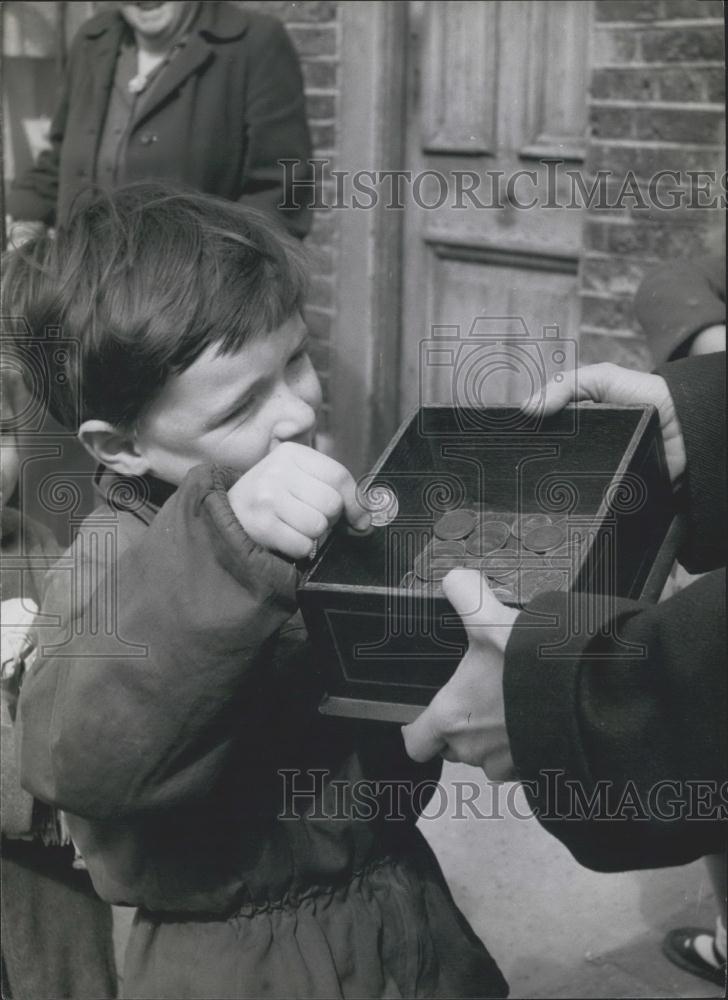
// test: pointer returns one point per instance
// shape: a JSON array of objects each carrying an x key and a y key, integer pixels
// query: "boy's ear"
[{"x": 114, "y": 448}]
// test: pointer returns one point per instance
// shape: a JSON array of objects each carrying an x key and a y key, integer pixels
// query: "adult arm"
[
  {"x": 33, "y": 196},
  {"x": 678, "y": 300},
  {"x": 631, "y": 718},
  {"x": 697, "y": 388}
]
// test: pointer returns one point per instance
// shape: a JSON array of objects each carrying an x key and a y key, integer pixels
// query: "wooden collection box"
[{"x": 387, "y": 648}]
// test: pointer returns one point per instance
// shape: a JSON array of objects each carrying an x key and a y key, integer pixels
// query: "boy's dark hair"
[{"x": 141, "y": 282}]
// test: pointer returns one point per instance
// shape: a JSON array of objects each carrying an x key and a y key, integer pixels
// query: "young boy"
[{"x": 178, "y": 694}]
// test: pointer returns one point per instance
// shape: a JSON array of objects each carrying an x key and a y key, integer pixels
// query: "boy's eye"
[
  {"x": 300, "y": 356},
  {"x": 245, "y": 407}
]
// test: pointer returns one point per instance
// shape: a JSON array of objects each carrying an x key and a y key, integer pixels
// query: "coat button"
[{"x": 147, "y": 138}]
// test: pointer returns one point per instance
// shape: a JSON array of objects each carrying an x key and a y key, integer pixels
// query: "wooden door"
[{"x": 494, "y": 88}]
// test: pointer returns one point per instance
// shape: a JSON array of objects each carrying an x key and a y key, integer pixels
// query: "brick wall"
[
  {"x": 656, "y": 103},
  {"x": 314, "y": 29}
]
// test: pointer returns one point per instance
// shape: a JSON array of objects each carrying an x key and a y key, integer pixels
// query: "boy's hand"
[{"x": 292, "y": 497}]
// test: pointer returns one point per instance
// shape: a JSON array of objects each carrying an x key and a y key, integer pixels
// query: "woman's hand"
[
  {"x": 608, "y": 383},
  {"x": 465, "y": 721}
]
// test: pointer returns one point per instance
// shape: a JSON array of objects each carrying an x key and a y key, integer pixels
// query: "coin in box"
[
  {"x": 541, "y": 539},
  {"x": 532, "y": 582},
  {"x": 456, "y": 524},
  {"x": 488, "y": 535},
  {"x": 527, "y": 522}
]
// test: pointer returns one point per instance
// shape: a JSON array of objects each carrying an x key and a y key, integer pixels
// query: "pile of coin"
[{"x": 521, "y": 556}]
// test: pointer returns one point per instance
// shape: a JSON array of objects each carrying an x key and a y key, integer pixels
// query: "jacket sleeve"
[
  {"x": 678, "y": 300},
  {"x": 622, "y": 704},
  {"x": 276, "y": 128},
  {"x": 33, "y": 197},
  {"x": 135, "y": 697},
  {"x": 697, "y": 386},
  {"x": 619, "y": 734}
]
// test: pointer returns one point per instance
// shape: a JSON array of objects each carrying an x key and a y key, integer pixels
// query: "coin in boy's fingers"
[{"x": 382, "y": 504}]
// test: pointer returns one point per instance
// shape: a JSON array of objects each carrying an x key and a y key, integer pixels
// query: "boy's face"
[{"x": 233, "y": 409}]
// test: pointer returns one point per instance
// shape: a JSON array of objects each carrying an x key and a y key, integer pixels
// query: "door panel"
[{"x": 494, "y": 88}]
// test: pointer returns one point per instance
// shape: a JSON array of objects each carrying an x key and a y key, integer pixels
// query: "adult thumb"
[{"x": 469, "y": 593}]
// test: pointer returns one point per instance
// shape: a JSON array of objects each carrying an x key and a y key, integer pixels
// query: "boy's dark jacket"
[
  {"x": 164, "y": 712},
  {"x": 227, "y": 108}
]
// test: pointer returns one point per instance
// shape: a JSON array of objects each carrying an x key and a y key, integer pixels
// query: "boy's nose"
[{"x": 296, "y": 419}]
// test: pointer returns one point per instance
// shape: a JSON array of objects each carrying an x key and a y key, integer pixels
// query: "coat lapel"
[
  {"x": 195, "y": 54},
  {"x": 103, "y": 68}
]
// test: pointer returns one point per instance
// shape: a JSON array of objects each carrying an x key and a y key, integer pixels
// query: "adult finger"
[
  {"x": 482, "y": 614},
  {"x": 602, "y": 383},
  {"x": 423, "y": 738}
]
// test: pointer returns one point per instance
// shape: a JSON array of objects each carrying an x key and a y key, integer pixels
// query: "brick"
[
  {"x": 692, "y": 8},
  {"x": 715, "y": 85},
  {"x": 658, "y": 124},
  {"x": 314, "y": 40},
  {"x": 670, "y": 125},
  {"x": 319, "y": 73},
  {"x": 610, "y": 313},
  {"x": 323, "y": 135},
  {"x": 318, "y": 322},
  {"x": 631, "y": 352},
  {"x": 320, "y": 354},
  {"x": 308, "y": 10},
  {"x": 610, "y": 123},
  {"x": 321, "y": 106},
  {"x": 628, "y": 10},
  {"x": 642, "y": 239},
  {"x": 617, "y": 45},
  {"x": 613, "y": 275},
  {"x": 321, "y": 292},
  {"x": 325, "y": 225},
  {"x": 661, "y": 83},
  {"x": 646, "y": 161},
  {"x": 682, "y": 44},
  {"x": 684, "y": 83}
]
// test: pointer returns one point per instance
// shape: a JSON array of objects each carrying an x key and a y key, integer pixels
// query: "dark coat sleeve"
[
  {"x": 33, "y": 197},
  {"x": 678, "y": 300},
  {"x": 276, "y": 127},
  {"x": 131, "y": 705},
  {"x": 616, "y": 710},
  {"x": 697, "y": 386}
]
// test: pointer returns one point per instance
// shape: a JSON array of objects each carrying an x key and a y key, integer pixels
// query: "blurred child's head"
[{"x": 182, "y": 319}]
